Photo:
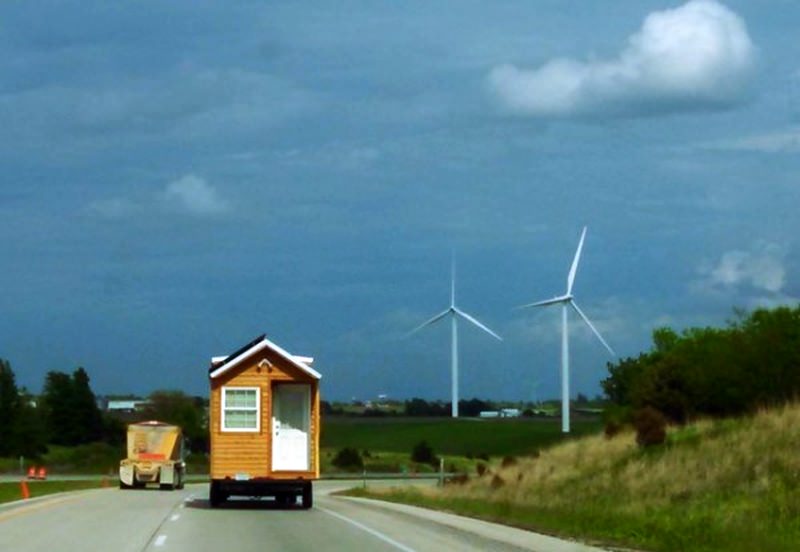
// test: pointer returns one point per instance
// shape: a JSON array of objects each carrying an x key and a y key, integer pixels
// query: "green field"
[{"x": 461, "y": 436}]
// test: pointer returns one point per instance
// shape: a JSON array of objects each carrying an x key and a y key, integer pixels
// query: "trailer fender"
[
  {"x": 167, "y": 475},
  {"x": 126, "y": 475}
]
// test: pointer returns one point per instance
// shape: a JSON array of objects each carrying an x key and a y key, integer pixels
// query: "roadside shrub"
[
  {"x": 611, "y": 429},
  {"x": 480, "y": 469},
  {"x": 458, "y": 479},
  {"x": 348, "y": 459},
  {"x": 482, "y": 456},
  {"x": 423, "y": 454},
  {"x": 508, "y": 461},
  {"x": 497, "y": 482},
  {"x": 651, "y": 427}
]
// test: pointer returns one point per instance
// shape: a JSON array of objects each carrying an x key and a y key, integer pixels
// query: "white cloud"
[
  {"x": 698, "y": 55},
  {"x": 194, "y": 195},
  {"x": 763, "y": 269},
  {"x": 189, "y": 194},
  {"x": 783, "y": 141}
]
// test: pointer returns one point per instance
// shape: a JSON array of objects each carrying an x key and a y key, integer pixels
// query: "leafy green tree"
[
  {"x": 84, "y": 406},
  {"x": 30, "y": 438},
  {"x": 622, "y": 378},
  {"x": 421, "y": 407},
  {"x": 21, "y": 429},
  {"x": 473, "y": 407},
  {"x": 70, "y": 410},
  {"x": 9, "y": 408},
  {"x": 56, "y": 403},
  {"x": 751, "y": 363},
  {"x": 176, "y": 407}
]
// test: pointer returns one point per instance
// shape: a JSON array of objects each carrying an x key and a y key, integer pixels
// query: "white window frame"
[{"x": 223, "y": 420}]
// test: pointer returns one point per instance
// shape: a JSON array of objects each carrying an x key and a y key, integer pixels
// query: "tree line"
[
  {"x": 67, "y": 413},
  {"x": 752, "y": 363}
]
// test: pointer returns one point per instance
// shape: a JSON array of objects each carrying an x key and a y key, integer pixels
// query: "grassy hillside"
[{"x": 730, "y": 485}]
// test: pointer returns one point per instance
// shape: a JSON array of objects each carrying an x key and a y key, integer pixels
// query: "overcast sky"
[{"x": 179, "y": 177}]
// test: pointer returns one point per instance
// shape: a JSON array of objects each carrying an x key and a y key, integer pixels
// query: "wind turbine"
[
  {"x": 565, "y": 301},
  {"x": 454, "y": 312}
]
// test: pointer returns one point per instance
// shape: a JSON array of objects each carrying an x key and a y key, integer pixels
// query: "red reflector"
[{"x": 151, "y": 456}]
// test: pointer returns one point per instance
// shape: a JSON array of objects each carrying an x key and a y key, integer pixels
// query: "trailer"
[
  {"x": 264, "y": 425},
  {"x": 155, "y": 455}
]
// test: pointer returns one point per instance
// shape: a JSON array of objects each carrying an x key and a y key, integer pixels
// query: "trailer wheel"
[
  {"x": 123, "y": 485},
  {"x": 308, "y": 496},
  {"x": 215, "y": 496}
]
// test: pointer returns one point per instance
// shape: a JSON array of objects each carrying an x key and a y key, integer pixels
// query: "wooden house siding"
[{"x": 250, "y": 453}]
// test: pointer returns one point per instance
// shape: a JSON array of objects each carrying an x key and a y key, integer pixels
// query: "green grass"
[
  {"x": 699, "y": 527},
  {"x": 448, "y": 436},
  {"x": 11, "y": 491}
]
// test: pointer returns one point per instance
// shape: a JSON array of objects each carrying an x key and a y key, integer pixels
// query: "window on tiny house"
[{"x": 240, "y": 409}]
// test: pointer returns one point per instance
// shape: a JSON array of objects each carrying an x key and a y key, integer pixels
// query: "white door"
[{"x": 291, "y": 410}]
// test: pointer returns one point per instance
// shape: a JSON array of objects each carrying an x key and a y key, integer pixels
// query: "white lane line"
[
  {"x": 160, "y": 540},
  {"x": 175, "y": 517},
  {"x": 369, "y": 530}
]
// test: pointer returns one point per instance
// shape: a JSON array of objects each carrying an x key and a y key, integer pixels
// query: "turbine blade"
[
  {"x": 453, "y": 278},
  {"x": 553, "y": 301},
  {"x": 574, "y": 268},
  {"x": 591, "y": 326},
  {"x": 476, "y": 322},
  {"x": 430, "y": 321}
]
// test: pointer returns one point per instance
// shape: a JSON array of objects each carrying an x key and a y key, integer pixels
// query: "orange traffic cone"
[
  {"x": 42, "y": 473},
  {"x": 32, "y": 473},
  {"x": 23, "y": 487}
]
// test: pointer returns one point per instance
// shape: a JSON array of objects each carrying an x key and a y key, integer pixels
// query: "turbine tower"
[
  {"x": 454, "y": 312},
  {"x": 565, "y": 301}
]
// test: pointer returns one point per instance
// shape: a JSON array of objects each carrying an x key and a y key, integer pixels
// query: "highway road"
[{"x": 110, "y": 520}]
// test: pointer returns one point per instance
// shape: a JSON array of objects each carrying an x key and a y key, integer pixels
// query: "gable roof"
[{"x": 258, "y": 344}]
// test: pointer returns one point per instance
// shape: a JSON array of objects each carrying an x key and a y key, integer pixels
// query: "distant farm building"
[
  {"x": 502, "y": 413},
  {"x": 127, "y": 406}
]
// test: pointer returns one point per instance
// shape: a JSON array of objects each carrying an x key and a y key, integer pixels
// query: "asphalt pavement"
[{"x": 151, "y": 520}]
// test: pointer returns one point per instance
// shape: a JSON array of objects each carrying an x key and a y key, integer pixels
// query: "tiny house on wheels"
[{"x": 264, "y": 424}]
